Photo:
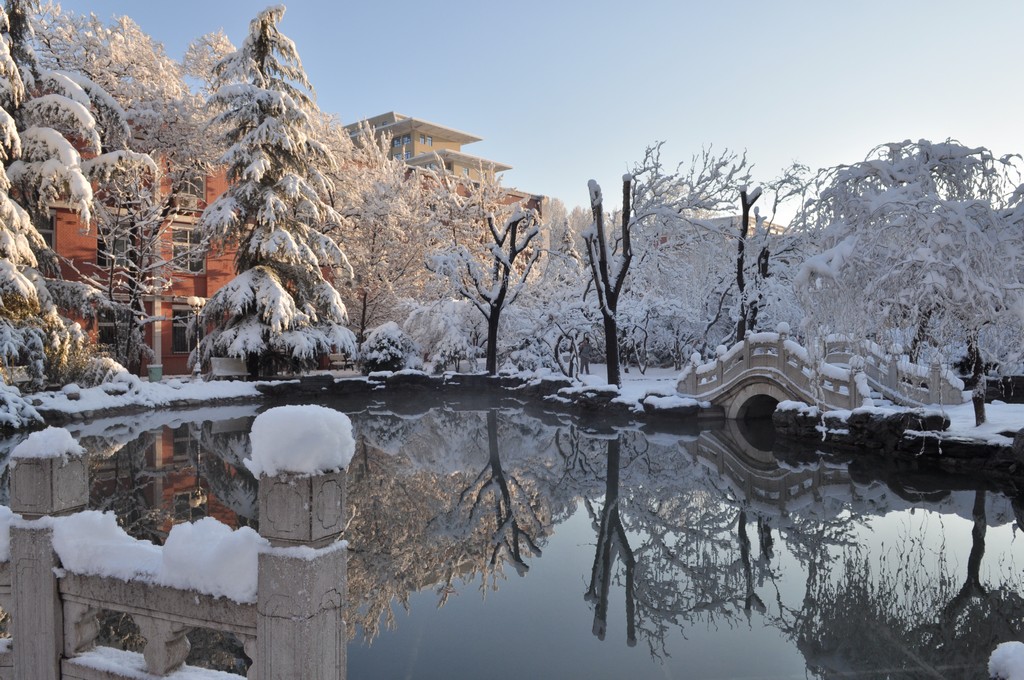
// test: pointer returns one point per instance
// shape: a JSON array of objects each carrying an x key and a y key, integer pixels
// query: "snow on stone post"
[
  {"x": 300, "y": 454},
  {"x": 692, "y": 379},
  {"x": 780, "y": 354},
  {"x": 935, "y": 382},
  {"x": 892, "y": 375},
  {"x": 48, "y": 477}
]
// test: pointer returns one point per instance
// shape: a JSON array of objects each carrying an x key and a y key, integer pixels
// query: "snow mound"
[
  {"x": 1007, "y": 661},
  {"x": 207, "y": 556},
  {"x": 669, "y": 401},
  {"x": 6, "y": 517},
  {"x": 302, "y": 439},
  {"x": 53, "y": 442},
  {"x": 210, "y": 557}
]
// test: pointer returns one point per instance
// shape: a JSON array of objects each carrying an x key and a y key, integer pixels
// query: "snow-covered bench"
[
  {"x": 227, "y": 367},
  {"x": 341, "y": 360},
  {"x": 18, "y": 375}
]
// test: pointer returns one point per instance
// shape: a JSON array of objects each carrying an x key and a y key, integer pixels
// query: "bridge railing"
[
  {"x": 895, "y": 376},
  {"x": 833, "y": 382},
  {"x": 773, "y": 354},
  {"x": 292, "y": 626}
]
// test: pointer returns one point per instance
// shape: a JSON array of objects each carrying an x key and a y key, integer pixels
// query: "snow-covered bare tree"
[
  {"x": 554, "y": 318},
  {"x": 137, "y": 197},
  {"x": 448, "y": 331},
  {"x": 489, "y": 252},
  {"x": 203, "y": 55},
  {"x": 133, "y": 259},
  {"x": 923, "y": 245},
  {"x": 386, "y": 231},
  {"x": 659, "y": 207},
  {"x": 273, "y": 213}
]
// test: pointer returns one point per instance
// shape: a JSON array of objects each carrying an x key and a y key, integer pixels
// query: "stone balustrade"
[
  {"x": 832, "y": 383},
  {"x": 293, "y": 629}
]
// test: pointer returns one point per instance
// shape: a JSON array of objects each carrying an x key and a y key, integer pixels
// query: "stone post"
[
  {"x": 783, "y": 331},
  {"x": 892, "y": 380},
  {"x": 40, "y": 487},
  {"x": 935, "y": 382},
  {"x": 300, "y": 628},
  {"x": 691, "y": 383}
]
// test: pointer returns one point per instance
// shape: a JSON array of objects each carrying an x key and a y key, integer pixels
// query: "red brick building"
[{"x": 169, "y": 337}]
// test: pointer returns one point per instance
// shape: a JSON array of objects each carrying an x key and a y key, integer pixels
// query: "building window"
[
  {"x": 111, "y": 250},
  {"x": 423, "y": 139},
  {"x": 407, "y": 139},
  {"x": 408, "y": 155},
  {"x": 396, "y": 142},
  {"x": 190, "y": 191},
  {"x": 187, "y": 257},
  {"x": 182, "y": 341},
  {"x": 106, "y": 329},
  {"x": 465, "y": 171},
  {"x": 48, "y": 230},
  {"x": 430, "y": 141}
]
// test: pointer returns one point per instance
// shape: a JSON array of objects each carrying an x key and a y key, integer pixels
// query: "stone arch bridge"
[{"x": 753, "y": 376}]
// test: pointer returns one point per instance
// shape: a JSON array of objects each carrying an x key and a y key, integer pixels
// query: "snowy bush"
[
  {"x": 15, "y": 412},
  {"x": 388, "y": 348},
  {"x": 100, "y": 370},
  {"x": 531, "y": 355},
  {"x": 448, "y": 331}
]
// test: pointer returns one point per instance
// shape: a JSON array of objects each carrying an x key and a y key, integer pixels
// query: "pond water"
[{"x": 491, "y": 542}]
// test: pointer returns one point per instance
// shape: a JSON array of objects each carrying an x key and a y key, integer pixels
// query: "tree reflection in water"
[
  {"x": 888, "y": 613},
  {"x": 694, "y": 533}
]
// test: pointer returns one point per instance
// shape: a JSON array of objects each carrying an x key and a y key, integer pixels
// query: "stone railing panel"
[
  {"x": 187, "y": 607},
  {"x": 81, "y": 627},
  {"x": 294, "y": 629},
  {"x": 167, "y": 646}
]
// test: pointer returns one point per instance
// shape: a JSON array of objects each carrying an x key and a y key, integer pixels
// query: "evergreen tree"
[
  {"x": 42, "y": 112},
  {"x": 280, "y": 303}
]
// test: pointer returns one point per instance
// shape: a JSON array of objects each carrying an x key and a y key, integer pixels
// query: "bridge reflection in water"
[{"x": 675, "y": 546}]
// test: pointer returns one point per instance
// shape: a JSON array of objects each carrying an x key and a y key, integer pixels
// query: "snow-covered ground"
[{"x": 130, "y": 391}]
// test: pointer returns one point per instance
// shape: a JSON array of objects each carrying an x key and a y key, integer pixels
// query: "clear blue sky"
[{"x": 569, "y": 90}]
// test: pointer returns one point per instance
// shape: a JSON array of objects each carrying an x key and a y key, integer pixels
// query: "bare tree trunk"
[
  {"x": 608, "y": 290},
  {"x": 762, "y": 273},
  {"x": 746, "y": 202},
  {"x": 611, "y": 348},
  {"x": 492, "y": 341},
  {"x": 978, "y": 375}
]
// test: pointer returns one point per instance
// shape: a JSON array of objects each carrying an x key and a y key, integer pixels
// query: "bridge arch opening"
[{"x": 758, "y": 407}]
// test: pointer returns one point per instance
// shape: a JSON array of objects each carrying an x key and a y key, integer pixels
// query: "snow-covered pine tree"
[
  {"x": 280, "y": 303},
  {"x": 42, "y": 111}
]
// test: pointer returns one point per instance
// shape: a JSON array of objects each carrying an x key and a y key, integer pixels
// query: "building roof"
[
  {"x": 465, "y": 159},
  {"x": 399, "y": 124}
]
